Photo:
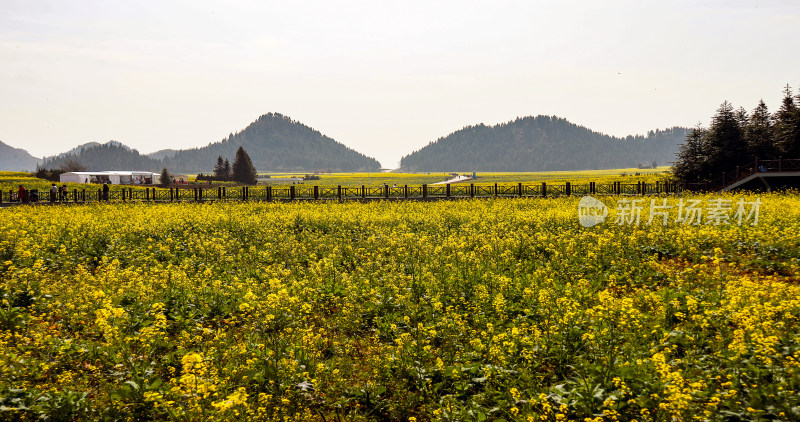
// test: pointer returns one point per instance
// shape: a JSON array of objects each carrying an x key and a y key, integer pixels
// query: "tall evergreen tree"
[
  {"x": 166, "y": 179},
  {"x": 724, "y": 146},
  {"x": 226, "y": 170},
  {"x": 691, "y": 158},
  {"x": 243, "y": 169},
  {"x": 219, "y": 169},
  {"x": 787, "y": 126},
  {"x": 758, "y": 133}
]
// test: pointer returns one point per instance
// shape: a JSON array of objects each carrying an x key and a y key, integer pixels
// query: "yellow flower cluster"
[{"x": 463, "y": 310}]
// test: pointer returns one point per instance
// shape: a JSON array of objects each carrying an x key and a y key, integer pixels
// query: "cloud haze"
[{"x": 384, "y": 79}]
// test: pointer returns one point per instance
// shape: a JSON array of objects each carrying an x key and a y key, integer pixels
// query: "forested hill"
[
  {"x": 275, "y": 143},
  {"x": 542, "y": 143},
  {"x": 16, "y": 159},
  {"x": 109, "y": 156}
]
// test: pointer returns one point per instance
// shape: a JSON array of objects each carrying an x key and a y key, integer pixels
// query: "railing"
[
  {"x": 728, "y": 178},
  {"x": 343, "y": 193}
]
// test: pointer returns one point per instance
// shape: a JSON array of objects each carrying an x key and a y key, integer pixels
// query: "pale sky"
[{"x": 384, "y": 78}]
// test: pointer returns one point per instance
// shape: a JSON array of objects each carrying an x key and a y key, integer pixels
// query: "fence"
[
  {"x": 779, "y": 165},
  {"x": 346, "y": 193}
]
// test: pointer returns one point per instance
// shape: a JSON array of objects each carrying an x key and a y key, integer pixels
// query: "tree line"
[
  {"x": 542, "y": 143},
  {"x": 242, "y": 170},
  {"x": 736, "y": 137}
]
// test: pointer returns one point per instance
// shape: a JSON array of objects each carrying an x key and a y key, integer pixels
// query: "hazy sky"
[{"x": 384, "y": 78}]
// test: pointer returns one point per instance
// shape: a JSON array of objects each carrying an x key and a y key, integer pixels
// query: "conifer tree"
[
  {"x": 219, "y": 170},
  {"x": 691, "y": 160},
  {"x": 243, "y": 169},
  {"x": 226, "y": 170},
  {"x": 787, "y": 126},
  {"x": 724, "y": 146},
  {"x": 759, "y": 134},
  {"x": 165, "y": 178}
]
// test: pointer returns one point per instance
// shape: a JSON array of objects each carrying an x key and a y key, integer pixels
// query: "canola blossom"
[{"x": 497, "y": 309}]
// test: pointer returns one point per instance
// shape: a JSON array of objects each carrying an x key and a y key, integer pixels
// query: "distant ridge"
[
  {"x": 542, "y": 143},
  {"x": 16, "y": 159},
  {"x": 276, "y": 143},
  {"x": 109, "y": 156},
  {"x": 163, "y": 153}
]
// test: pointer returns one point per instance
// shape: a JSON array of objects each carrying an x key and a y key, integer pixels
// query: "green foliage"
[
  {"x": 109, "y": 156},
  {"x": 222, "y": 171},
  {"x": 277, "y": 143},
  {"x": 735, "y": 138},
  {"x": 541, "y": 143},
  {"x": 166, "y": 179},
  {"x": 243, "y": 169},
  {"x": 51, "y": 175}
]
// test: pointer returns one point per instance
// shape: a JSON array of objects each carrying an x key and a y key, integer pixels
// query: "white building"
[{"x": 114, "y": 177}]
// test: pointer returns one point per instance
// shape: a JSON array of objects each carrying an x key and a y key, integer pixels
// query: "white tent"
[{"x": 114, "y": 177}]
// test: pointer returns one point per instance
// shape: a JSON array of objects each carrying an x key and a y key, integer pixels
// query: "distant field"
[
  {"x": 12, "y": 180},
  {"x": 630, "y": 175}
]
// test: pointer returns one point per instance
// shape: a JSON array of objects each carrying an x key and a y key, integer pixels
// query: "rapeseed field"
[{"x": 502, "y": 309}]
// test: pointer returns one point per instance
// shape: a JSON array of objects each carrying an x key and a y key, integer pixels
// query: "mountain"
[
  {"x": 542, "y": 143},
  {"x": 16, "y": 159},
  {"x": 275, "y": 143},
  {"x": 109, "y": 156},
  {"x": 161, "y": 154},
  {"x": 78, "y": 149}
]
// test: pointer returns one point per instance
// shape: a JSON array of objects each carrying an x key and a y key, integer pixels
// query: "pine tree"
[
  {"x": 226, "y": 170},
  {"x": 759, "y": 133},
  {"x": 724, "y": 146},
  {"x": 243, "y": 169},
  {"x": 219, "y": 170},
  {"x": 691, "y": 159},
  {"x": 787, "y": 126},
  {"x": 166, "y": 180}
]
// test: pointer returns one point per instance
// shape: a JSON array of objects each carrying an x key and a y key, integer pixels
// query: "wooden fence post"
[
  {"x": 269, "y": 193},
  {"x": 291, "y": 192},
  {"x": 363, "y": 192},
  {"x": 316, "y": 192},
  {"x": 447, "y": 190},
  {"x": 405, "y": 191},
  {"x": 544, "y": 189},
  {"x": 339, "y": 192},
  {"x": 471, "y": 190},
  {"x": 568, "y": 189},
  {"x": 386, "y": 190},
  {"x": 519, "y": 189},
  {"x": 424, "y": 191}
]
